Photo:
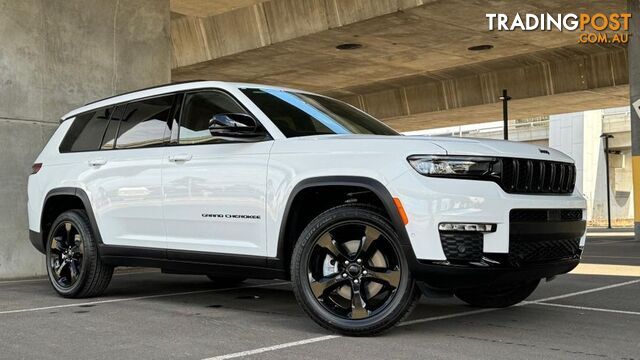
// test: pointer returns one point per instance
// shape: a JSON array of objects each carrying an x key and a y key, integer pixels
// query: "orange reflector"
[{"x": 403, "y": 215}]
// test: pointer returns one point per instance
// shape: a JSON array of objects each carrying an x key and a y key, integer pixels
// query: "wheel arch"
[
  {"x": 287, "y": 239},
  {"x": 62, "y": 199}
]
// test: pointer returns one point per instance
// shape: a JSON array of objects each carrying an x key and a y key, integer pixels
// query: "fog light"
[{"x": 467, "y": 227}]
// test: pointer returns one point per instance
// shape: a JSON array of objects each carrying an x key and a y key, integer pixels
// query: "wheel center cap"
[{"x": 353, "y": 270}]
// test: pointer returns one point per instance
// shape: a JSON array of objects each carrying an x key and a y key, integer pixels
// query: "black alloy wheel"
[
  {"x": 349, "y": 272},
  {"x": 353, "y": 271},
  {"x": 73, "y": 264},
  {"x": 66, "y": 257}
]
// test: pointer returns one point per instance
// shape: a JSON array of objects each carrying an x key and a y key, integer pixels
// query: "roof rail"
[{"x": 148, "y": 88}]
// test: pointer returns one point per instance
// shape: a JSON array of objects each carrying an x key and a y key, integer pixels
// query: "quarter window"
[
  {"x": 86, "y": 131},
  {"x": 144, "y": 123}
]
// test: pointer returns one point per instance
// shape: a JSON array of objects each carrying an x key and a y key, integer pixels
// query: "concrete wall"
[{"x": 56, "y": 55}]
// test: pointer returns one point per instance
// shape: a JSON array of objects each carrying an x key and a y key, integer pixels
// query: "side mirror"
[{"x": 233, "y": 124}]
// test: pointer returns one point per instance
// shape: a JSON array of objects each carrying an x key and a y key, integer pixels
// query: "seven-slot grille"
[{"x": 528, "y": 176}]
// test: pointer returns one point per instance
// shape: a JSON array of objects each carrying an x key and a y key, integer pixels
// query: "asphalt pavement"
[{"x": 594, "y": 313}]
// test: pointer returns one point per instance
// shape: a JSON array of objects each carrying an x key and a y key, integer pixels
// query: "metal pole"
[
  {"x": 634, "y": 95},
  {"x": 606, "y": 138},
  {"x": 505, "y": 113}
]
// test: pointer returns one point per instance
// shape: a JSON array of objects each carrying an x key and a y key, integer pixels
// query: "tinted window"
[
  {"x": 199, "y": 108},
  {"x": 298, "y": 114},
  {"x": 144, "y": 123},
  {"x": 86, "y": 131},
  {"x": 109, "y": 138}
]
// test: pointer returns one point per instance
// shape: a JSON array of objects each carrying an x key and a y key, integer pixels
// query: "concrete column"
[
  {"x": 57, "y": 55},
  {"x": 634, "y": 89},
  {"x": 578, "y": 135}
]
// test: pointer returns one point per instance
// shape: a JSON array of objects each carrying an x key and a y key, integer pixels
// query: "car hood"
[
  {"x": 500, "y": 148},
  {"x": 452, "y": 146}
]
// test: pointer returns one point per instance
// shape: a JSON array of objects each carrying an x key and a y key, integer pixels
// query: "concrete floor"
[{"x": 148, "y": 315}]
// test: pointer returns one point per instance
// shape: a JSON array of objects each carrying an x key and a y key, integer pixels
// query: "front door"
[{"x": 214, "y": 187}]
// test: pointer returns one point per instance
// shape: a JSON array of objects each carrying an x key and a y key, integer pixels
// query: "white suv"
[{"x": 238, "y": 181}]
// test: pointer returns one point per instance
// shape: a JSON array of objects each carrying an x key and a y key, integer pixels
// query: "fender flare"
[
  {"x": 84, "y": 198},
  {"x": 368, "y": 183}
]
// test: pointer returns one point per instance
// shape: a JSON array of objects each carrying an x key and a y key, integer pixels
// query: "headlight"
[{"x": 474, "y": 167}]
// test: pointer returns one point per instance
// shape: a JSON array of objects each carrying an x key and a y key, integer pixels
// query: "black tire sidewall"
[
  {"x": 486, "y": 297},
  {"x": 393, "y": 312},
  {"x": 225, "y": 281}
]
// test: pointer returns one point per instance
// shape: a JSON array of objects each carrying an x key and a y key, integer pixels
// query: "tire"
[
  {"x": 374, "y": 305},
  {"x": 226, "y": 281},
  {"x": 498, "y": 297},
  {"x": 72, "y": 235}
]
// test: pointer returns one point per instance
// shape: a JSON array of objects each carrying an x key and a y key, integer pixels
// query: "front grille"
[
  {"x": 528, "y": 176},
  {"x": 544, "y": 235},
  {"x": 462, "y": 246},
  {"x": 531, "y": 252},
  {"x": 545, "y": 215},
  {"x": 571, "y": 214}
]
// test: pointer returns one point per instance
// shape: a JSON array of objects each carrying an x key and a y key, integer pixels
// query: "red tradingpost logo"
[{"x": 595, "y": 28}]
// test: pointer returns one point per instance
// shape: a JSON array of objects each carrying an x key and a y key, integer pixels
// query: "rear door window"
[
  {"x": 144, "y": 123},
  {"x": 109, "y": 138}
]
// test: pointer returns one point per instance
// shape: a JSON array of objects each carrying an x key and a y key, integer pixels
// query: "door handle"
[
  {"x": 180, "y": 157},
  {"x": 97, "y": 162}
]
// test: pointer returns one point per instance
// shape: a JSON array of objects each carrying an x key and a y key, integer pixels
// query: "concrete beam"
[
  {"x": 573, "y": 78},
  {"x": 199, "y": 39},
  {"x": 518, "y": 109},
  {"x": 204, "y": 8}
]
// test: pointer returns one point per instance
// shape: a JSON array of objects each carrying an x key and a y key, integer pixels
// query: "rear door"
[
  {"x": 214, "y": 187},
  {"x": 124, "y": 177}
]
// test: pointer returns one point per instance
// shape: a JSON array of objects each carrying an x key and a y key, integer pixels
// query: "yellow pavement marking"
[{"x": 606, "y": 269}]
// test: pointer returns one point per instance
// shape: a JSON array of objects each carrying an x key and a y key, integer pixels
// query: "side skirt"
[{"x": 192, "y": 262}]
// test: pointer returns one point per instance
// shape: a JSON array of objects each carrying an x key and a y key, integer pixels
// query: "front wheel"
[
  {"x": 349, "y": 273},
  {"x": 498, "y": 296}
]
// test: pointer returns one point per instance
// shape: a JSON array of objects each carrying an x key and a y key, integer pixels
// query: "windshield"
[{"x": 298, "y": 114}]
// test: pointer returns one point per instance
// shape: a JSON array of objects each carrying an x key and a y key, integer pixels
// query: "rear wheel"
[
  {"x": 350, "y": 274},
  {"x": 498, "y": 296},
  {"x": 75, "y": 270}
]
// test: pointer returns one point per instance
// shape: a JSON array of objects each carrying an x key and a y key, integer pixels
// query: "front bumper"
[
  {"x": 432, "y": 201},
  {"x": 523, "y": 246},
  {"x": 538, "y": 250},
  {"x": 453, "y": 277}
]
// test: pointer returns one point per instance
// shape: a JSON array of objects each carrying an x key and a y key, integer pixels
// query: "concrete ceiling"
[{"x": 407, "y": 45}]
